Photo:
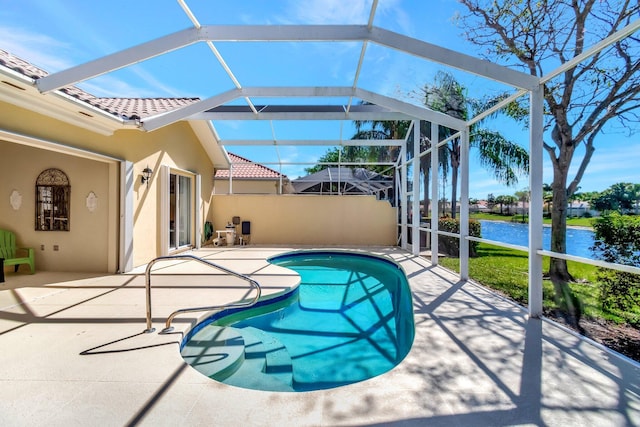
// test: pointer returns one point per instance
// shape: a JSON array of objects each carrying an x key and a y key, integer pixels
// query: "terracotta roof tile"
[
  {"x": 246, "y": 169},
  {"x": 128, "y": 108}
]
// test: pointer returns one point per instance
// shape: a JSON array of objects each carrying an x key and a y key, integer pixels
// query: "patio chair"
[{"x": 8, "y": 251}]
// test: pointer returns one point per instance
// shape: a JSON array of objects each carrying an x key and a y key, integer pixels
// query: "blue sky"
[{"x": 57, "y": 34}]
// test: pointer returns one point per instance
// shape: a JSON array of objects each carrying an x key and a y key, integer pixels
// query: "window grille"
[{"x": 53, "y": 199}]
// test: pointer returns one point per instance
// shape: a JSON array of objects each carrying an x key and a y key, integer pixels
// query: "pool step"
[
  {"x": 267, "y": 363},
  {"x": 215, "y": 351},
  {"x": 277, "y": 359}
]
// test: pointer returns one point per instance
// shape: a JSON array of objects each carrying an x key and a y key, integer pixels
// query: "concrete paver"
[{"x": 74, "y": 353}]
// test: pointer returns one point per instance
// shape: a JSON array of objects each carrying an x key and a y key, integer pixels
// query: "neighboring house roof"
[
  {"x": 358, "y": 180},
  {"x": 127, "y": 108},
  {"x": 246, "y": 169}
]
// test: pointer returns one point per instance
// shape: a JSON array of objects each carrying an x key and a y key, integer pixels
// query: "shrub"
[
  {"x": 451, "y": 245},
  {"x": 618, "y": 241}
]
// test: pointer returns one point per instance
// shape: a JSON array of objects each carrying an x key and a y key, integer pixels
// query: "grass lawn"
[{"x": 506, "y": 270}]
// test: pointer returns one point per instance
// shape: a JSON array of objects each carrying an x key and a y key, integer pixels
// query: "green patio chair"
[{"x": 9, "y": 251}]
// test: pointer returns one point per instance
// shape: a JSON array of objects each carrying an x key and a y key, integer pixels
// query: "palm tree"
[
  {"x": 504, "y": 158},
  {"x": 523, "y": 196},
  {"x": 383, "y": 129}
]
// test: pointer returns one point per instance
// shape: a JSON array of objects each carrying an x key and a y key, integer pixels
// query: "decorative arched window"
[{"x": 53, "y": 200}]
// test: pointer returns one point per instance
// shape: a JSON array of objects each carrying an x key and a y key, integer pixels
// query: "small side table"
[{"x": 228, "y": 234}]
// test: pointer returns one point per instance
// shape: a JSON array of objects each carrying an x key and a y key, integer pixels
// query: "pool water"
[{"x": 351, "y": 319}]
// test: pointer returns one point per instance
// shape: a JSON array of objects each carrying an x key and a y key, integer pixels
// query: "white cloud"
[
  {"x": 39, "y": 49},
  {"x": 53, "y": 55},
  {"x": 322, "y": 12}
]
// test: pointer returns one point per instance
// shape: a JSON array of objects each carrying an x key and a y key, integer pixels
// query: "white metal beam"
[
  {"x": 613, "y": 38},
  {"x": 316, "y": 142},
  {"x": 266, "y": 33},
  {"x": 298, "y": 91},
  {"x": 404, "y": 209},
  {"x": 215, "y": 51},
  {"x": 118, "y": 60},
  {"x": 292, "y": 115},
  {"x": 536, "y": 149},
  {"x": 285, "y": 33},
  {"x": 410, "y": 109},
  {"x": 164, "y": 119},
  {"x": 452, "y": 58},
  {"x": 463, "y": 243},
  {"x": 363, "y": 50},
  {"x": 435, "y": 169},
  {"x": 415, "y": 178}
]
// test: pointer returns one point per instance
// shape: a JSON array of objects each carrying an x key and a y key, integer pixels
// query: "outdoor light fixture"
[{"x": 146, "y": 175}]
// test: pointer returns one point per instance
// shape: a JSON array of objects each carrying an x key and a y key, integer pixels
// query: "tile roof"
[
  {"x": 246, "y": 169},
  {"x": 127, "y": 108}
]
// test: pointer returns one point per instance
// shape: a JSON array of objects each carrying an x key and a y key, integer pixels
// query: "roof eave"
[{"x": 20, "y": 90}]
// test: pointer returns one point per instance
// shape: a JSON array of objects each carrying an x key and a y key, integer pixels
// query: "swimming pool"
[{"x": 350, "y": 319}]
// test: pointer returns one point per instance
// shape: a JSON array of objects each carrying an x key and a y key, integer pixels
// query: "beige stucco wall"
[
  {"x": 175, "y": 146},
  {"x": 19, "y": 168},
  {"x": 310, "y": 219},
  {"x": 252, "y": 186},
  {"x": 243, "y": 186}
]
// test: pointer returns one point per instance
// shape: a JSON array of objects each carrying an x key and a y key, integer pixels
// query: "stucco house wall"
[
  {"x": 83, "y": 247},
  {"x": 247, "y": 186},
  {"x": 19, "y": 168}
]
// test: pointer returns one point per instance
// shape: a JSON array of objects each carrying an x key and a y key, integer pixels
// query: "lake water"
[{"x": 578, "y": 240}]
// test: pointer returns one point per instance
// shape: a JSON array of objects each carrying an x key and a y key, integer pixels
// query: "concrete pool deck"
[{"x": 73, "y": 352}]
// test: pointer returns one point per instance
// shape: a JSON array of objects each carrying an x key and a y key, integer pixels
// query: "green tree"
[
  {"x": 547, "y": 197},
  {"x": 503, "y": 200},
  {"x": 349, "y": 154},
  {"x": 331, "y": 156},
  {"x": 384, "y": 129},
  {"x": 618, "y": 240},
  {"x": 634, "y": 193},
  {"x": 381, "y": 129},
  {"x": 539, "y": 35},
  {"x": 491, "y": 201},
  {"x": 619, "y": 197},
  {"x": 523, "y": 197},
  {"x": 504, "y": 158}
]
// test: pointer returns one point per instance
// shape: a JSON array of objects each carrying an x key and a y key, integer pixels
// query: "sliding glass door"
[{"x": 180, "y": 211}]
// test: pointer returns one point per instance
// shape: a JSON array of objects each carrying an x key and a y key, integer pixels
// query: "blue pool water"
[
  {"x": 351, "y": 319},
  {"x": 578, "y": 240}
]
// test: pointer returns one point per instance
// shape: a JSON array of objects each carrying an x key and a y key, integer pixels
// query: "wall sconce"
[{"x": 146, "y": 175}]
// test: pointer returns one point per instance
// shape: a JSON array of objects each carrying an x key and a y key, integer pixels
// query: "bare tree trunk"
[
  {"x": 566, "y": 300},
  {"x": 558, "y": 267},
  {"x": 558, "y": 270}
]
